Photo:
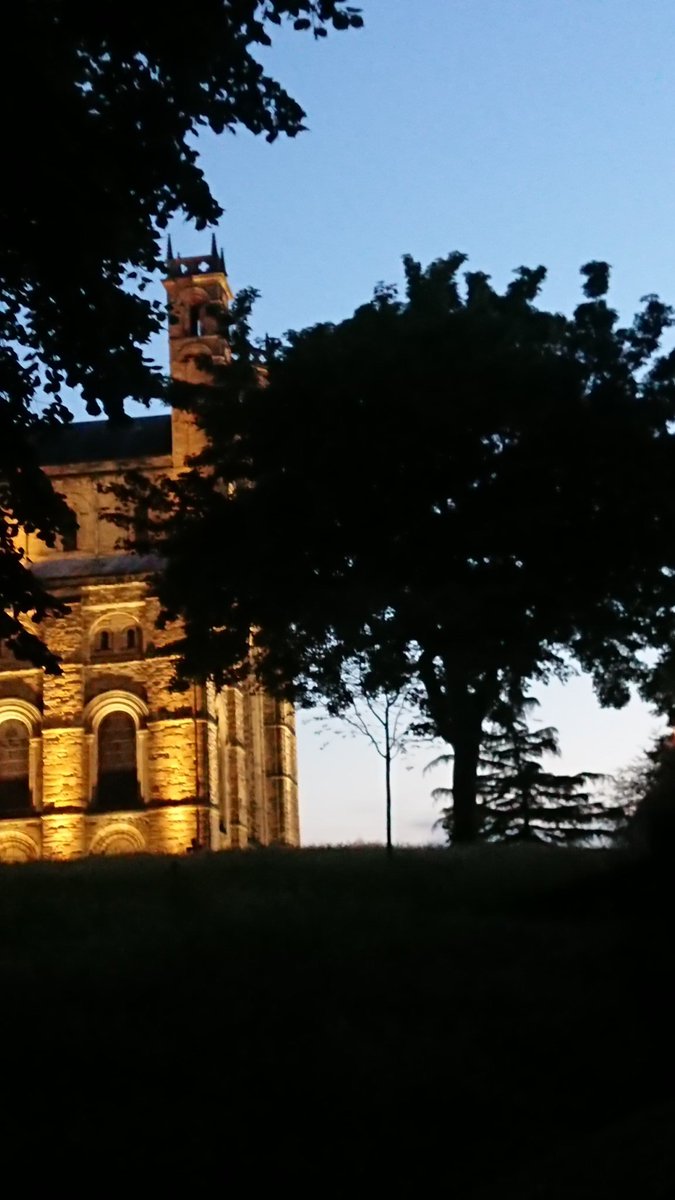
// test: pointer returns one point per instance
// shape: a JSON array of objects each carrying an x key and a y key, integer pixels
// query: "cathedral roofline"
[{"x": 101, "y": 441}]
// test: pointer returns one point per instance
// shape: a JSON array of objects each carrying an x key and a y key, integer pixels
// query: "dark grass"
[{"x": 488, "y": 1023}]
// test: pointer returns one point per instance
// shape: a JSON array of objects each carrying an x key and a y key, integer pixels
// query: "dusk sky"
[{"x": 517, "y": 131}]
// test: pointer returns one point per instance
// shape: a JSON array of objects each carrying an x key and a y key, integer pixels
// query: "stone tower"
[
  {"x": 105, "y": 758},
  {"x": 198, "y": 291}
]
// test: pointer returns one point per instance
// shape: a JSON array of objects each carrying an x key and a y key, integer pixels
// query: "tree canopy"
[
  {"x": 467, "y": 489},
  {"x": 101, "y": 105}
]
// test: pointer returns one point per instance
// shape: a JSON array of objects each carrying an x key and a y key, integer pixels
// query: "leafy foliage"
[
  {"x": 101, "y": 104},
  {"x": 466, "y": 489}
]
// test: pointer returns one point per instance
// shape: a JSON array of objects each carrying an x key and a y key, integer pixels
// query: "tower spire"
[{"x": 169, "y": 250}]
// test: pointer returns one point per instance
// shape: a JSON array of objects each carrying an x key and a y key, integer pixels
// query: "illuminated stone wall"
[
  {"x": 218, "y": 771},
  {"x": 214, "y": 770}
]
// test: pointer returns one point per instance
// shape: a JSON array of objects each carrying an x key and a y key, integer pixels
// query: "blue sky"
[{"x": 517, "y": 131}]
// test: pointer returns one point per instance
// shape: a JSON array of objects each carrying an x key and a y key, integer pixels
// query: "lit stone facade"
[{"x": 105, "y": 758}]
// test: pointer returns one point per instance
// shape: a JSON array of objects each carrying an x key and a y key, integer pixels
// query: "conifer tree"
[{"x": 520, "y": 800}]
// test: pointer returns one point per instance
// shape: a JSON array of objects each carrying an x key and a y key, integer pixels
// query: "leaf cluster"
[{"x": 102, "y": 104}]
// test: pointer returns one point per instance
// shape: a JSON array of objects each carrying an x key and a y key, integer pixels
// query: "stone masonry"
[{"x": 105, "y": 758}]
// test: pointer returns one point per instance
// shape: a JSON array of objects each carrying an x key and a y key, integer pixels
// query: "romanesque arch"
[
  {"x": 118, "y": 839},
  {"x": 19, "y": 757},
  {"x": 115, "y": 722},
  {"x": 16, "y": 847}
]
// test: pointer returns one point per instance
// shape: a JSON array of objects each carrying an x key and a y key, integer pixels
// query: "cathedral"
[{"x": 105, "y": 758}]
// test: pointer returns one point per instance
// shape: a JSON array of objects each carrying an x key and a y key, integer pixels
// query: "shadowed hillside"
[{"x": 495, "y": 1021}]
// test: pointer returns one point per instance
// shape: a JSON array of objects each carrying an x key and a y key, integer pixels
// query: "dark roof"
[
  {"x": 99, "y": 441},
  {"x": 103, "y": 566}
]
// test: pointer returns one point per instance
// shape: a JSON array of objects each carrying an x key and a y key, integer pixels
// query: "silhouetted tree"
[
  {"x": 647, "y": 790},
  {"x": 100, "y": 106},
  {"x": 466, "y": 488},
  {"x": 520, "y": 800},
  {"x": 383, "y": 714}
]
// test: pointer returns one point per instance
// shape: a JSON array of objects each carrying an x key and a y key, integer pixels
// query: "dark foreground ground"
[{"x": 498, "y": 1023}]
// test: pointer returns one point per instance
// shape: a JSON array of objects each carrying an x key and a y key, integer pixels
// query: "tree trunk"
[
  {"x": 526, "y": 814},
  {"x": 458, "y": 708},
  {"x": 387, "y": 774},
  {"x": 465, "y": 824}
]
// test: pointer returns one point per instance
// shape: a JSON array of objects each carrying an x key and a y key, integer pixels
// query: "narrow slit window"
[{"x": 195, "y": 320}]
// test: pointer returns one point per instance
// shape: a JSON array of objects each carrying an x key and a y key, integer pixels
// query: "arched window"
[
  {"x": 14, "y": 766},
  {"x": 117, "y": 786},
  {"x": 117, "y": 639}
]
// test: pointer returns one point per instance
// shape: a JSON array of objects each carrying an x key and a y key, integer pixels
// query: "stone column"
[
  {"x": 234, "y": 767},
  {"x": 281, "y": 772}
]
